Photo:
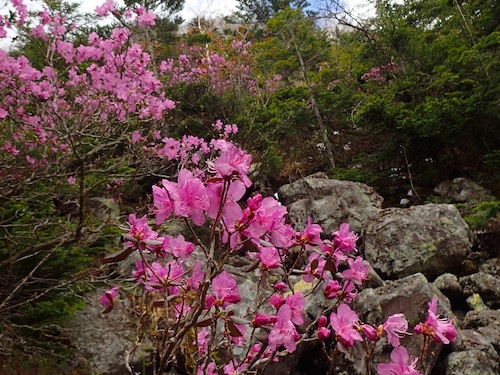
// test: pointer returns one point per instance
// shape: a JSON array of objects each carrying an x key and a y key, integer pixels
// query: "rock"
[
  {"x": 484, "y": 318},
  {"x": 487, "y": 323},
  {"x": 103, "y": 339},
  {"x": 448, "y": 284},
  {"x": 471, "y": 362},
  {"x": 330, "y": 202},
  {"x": 462, "y": 190},
  {"x": 487, "y": 286},
  {"x": 469, "y": 339},
  {"x": 431, "y": 239},
  {"x": 491, "y": 267}
]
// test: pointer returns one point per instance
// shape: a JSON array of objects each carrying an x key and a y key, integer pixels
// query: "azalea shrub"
[{"x": 190, "y": 293}]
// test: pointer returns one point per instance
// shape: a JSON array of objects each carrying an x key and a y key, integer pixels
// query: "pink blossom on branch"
[
  {"x": 283, "y": 332},
  {"x": 344, "y": 239},
  {"x": 225, "y": 290},
  {"x": 108, "y": 298},
  {"x": 440, "y": 329},
  {"x": 104, "y": 9},
  {"x": 400, "y": 364},
  {"x": 343, "y": 323},
  {"x": 396, "y": 327}
]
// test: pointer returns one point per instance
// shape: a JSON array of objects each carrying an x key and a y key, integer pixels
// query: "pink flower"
[
  {"x": 163, "y": 203},
  {"x": 344, "y": 239},
  {"x": 179, "y": 248},
  {"x": 440, "y": 329},
  {"x": 104, "y": 9},
  {"x": 396, "y": 327},
  {"x": 225, "y": 290},
  {"x": 140, "y": 231},
  {"x": 296, "y": 302},
  {"x": 276, "y": 300},
  {"x": 283, "y": 332},
  {"x": 231, "y": 209},
  {"x": 310, "y": 236},
  {"x": 158, "y": 277},
  {"x": 323, "y": 332},
  {"x": 239, "y": 340},
  {"x": 71, "y": 180},
  {"x": 136, "y": 137},
  {"x": 342, "y": 323},
  {"x": 269, "y": 257},
  {"x": 191, "y": 199},
  {"x": 233, "y": 161},
  {"x": 331, "y": 288},
  {"x": 108, "y": 298},
  {"x": 280, "y": 286},
  {"x": 145, "y": 18},
  {"x": 197, "y": 276},
  {"x": 371, "y": 333},
  {"x": 399, "y": 364},
  {"x": 358, "y": 271},
  {"x": 263, "y": 320},
  {"x": 315, "y": 268}
]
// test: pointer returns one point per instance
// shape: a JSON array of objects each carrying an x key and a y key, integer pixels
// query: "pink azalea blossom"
[
  {"x": 400, "y": 364},
  {"x": 310, "y": 236},
  {"x": 104, "y": 9},
  {"x": 370, "y": 332},
  {"x": 191, "y": 199},
  {"x": 225, "y": 290},
  {"x": 136, "y": 137},
  {"x": 164, "y": 206},
  {"x": 280, "y": 286},
  {"x": 276, "y": 300},
  {"x": 342, "y": 323},
  {"x": 440, "y": 329},
  {"x": 108, "y": 298},
  {"x": 71, "y": 180},
  {"x": 145, "y": 18},
  {"x": 283, "y": 332},
  {"x": 396, "y": 327},
  {"x": 159, "y": 277},
  {"x": 179, "y": 247},
  {"x": 331, "y": 288},
  {"x": 296, "y": 302},
  {"x": 357, "y": 271},
  {"x": 239, "y": 340},
  {"x": 231, "y": 210},
  {"x": 323, "y": 332},
  {"x": 262, "y": 319},
  {"x": 269, "y": 257},
  {"x": 140, "y": 231},
  {"x": 344, "y": 239},
  {"x": 197, "y": 276},
  {"x": 316, "y": 272},
  {"x": 233, "y": 161}
]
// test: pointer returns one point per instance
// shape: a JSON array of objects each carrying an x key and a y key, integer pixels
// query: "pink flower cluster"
[
  {"x": 377, "y": 74},
  {"x": 105, "y": 80}
]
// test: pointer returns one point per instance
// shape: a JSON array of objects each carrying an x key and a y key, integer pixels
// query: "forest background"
[{"x": 400, "y": 100}]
